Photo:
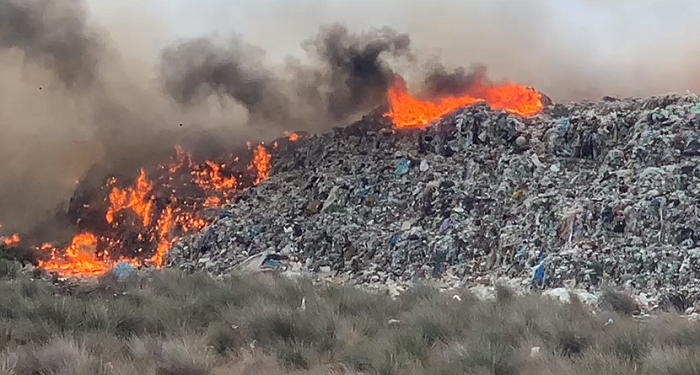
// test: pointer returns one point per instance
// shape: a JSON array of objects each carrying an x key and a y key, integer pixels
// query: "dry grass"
[{"x": 174, "y": 324}]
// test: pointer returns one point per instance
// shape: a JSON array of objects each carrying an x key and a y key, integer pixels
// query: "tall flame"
[
  {"x": 136, "y": 198},
  {"x": 164, "y": 224},
  {"x": 406, "y": 111},
  {"x": 261, "y": 163}
]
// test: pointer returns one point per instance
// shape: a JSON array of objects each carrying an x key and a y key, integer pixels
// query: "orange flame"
[
  {"x": 88, "y": 254},
  {"x": 164, "y": 224},
  {"x": 212, "y": 179},
  {"x": 212, "y": 202},
  {"x": 292, "y": 136},
  {"x": 407, "y": 111},
  {"x": 11, "y": 240},
  {"x": 78, "y": 259},
  {"x": 261, "y": 163},
  {"x": 137, "y": 198}
]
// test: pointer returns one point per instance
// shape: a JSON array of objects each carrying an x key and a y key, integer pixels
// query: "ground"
[{"x": 169, "y": 323}]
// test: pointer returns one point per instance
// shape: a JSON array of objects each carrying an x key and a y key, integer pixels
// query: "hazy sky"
[
  {"x": 283, "y": 22},
  {"x": 632, "y": 46},
  {"x": 280, "y": 24}
]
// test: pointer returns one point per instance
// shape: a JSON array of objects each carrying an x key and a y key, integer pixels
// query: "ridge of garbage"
[{"x": 579, "y": 196}]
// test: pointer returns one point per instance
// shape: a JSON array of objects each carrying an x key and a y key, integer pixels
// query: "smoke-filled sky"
[{"x": 567, "y": 48}]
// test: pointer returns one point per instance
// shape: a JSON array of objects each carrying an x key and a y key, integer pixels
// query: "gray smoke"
[
  {"x": 53, "y": 34},
  {"x": 196, "y": 68}
]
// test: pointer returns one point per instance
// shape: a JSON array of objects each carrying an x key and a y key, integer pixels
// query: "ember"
[
  {"x": 407, "y": 111},
  {"x": 11, "y": 240},
  {"x": 292, "y": 136}
]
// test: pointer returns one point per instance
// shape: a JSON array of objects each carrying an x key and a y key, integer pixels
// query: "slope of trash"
[{"x": 580, "y": 195}]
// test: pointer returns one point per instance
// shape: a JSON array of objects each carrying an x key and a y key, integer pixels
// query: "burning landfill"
[
  {"x": 136, "y": 222},
  {"x": 500, "y": 183},
  {"x": 464, "y": 182}
]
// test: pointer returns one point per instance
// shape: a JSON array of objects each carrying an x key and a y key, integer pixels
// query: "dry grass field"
[{"x": 174, "y": 324}]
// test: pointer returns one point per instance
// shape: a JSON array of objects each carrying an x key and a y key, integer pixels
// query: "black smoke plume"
[
  {"x": 441, "y": 82},
  {"x": 348, "y": 74},
  {"x": 354, "y": 66}
]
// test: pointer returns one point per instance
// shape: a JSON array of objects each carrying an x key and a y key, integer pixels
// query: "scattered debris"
[{"x": 265, "y": 261}]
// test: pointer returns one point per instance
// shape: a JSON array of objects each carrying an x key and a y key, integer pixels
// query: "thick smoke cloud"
[
  {"x": 53, "y": 34},
  {"x": 348, "y": 73},
  {"x": 356, "y": 72},
  {"x": 229, "y": 69}
]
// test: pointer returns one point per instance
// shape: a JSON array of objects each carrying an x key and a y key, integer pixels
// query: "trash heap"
[{"x": 580, "y": 195}]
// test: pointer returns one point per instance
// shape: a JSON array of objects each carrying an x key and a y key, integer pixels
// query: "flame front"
[
  {"x": 406, "y": 111},
  {"x": 158, "y": 220},
  {"x": 78, "y": 259},
  {"x": 164, "y": 242}
]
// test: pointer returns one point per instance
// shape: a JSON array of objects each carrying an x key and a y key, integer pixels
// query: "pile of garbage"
[{"x": 580, "y": 195}]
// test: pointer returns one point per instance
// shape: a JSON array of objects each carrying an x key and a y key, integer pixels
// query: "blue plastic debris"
[
  {"x": 272, "y": 263},
  {"x": 563, "y": 126},
  {"x": 539, "y": 271},
  {"x": 403, "y": 167},
  {"x": 254, "y": 230},
  {"x": 364, "y": 193},
  {"x": 445, "y": 225},
  {"x": 123, "y": 270},
  {"x": 522, "y": 252},
  {"x": 394, "y": 239},
  {"x": 696, "y": 109},
  {"x": 692, "y": 148},
  {"x": 609, "y": 322},
  {"x": 224, "y": 214}
]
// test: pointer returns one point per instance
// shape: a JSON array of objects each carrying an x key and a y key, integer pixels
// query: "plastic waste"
[
  {"x": 403, "y": 167},
  {"x": 424, "y": 166},
  {"x": 563, "y": 126},
  {"x": 123, "y": 270},
  {"x": 539, "y": 271},
  {"x": 445, "y": 225},
  {"x": 394, "y": 239},
  {"x": 695, "y": 109},
  {"x": 272, "y": 263}
]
